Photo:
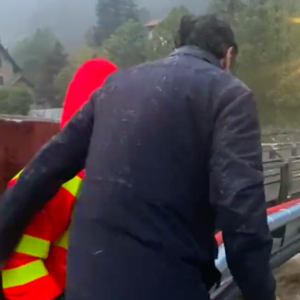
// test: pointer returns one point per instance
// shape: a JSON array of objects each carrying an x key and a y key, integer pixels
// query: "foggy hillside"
[{"x": 69, "y": 18}]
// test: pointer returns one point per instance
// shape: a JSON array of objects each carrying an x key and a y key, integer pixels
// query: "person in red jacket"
[{"x": 37, "y": 268}]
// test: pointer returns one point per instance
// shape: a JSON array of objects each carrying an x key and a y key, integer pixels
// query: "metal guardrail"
[
  {"x": 281, "y": 135},
  {"x": 228, "y": 289},
  {"x": 282, "y": 171},
  {"x": 282, "y": 183},
  {"x": 280, "y": 150}
]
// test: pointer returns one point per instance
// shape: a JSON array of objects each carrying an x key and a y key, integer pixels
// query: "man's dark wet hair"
[{"x": 208, "y": 32}]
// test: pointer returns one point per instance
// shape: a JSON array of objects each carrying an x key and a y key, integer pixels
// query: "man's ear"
[{"x": 228, "y": 59}]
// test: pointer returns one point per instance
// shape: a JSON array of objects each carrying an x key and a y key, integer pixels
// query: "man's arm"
[
  {"x": 238, "y": 189},
  {"x": 57, "y": 162}
]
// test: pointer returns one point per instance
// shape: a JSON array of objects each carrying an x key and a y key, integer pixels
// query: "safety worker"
[
  {"x": 171, "y": 151},
  {"x": 37, "y": 268}
]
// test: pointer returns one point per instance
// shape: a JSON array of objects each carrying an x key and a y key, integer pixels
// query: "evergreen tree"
[
  {"x": 161, "y": 43},
  {"x": 127, "y": 45},
  {"x": 75, "y": 59},
  {"x": 31, "y": 52},
  {"x": 112, "y": 14},
  {"x": 46, "y": 92},
  {"x": 228, "y": 9}
]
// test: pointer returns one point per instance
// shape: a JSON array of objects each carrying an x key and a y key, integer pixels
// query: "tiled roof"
[
  {"x": 14, "y": 64},
  {"x": 152, "y": 23}
]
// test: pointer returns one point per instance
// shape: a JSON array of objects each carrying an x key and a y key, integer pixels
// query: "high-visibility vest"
[
  {"x": 37, "y": 268},
  {"x": 56, "y": 262}
]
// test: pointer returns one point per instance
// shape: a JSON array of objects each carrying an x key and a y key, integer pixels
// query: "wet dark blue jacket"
[{"x": 172, "y": 151}]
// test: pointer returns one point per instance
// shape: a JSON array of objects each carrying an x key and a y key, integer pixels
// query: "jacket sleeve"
[
  {"x": 33, "y": 248},
  {"x": 57, "y": 162},
  {"x": 237, "y": 184}
]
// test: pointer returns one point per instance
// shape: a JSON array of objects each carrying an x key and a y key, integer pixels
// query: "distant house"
[
  {"x": 10, "y": 73},
  {"x": 150, "y": 26}
]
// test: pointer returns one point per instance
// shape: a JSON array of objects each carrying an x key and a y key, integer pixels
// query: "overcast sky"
[{"x": 69, "y": 18}]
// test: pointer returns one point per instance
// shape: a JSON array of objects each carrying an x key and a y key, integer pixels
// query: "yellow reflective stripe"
[
  {"x": 24, "y": 274},
  {"x": 63, "y": 240},
  {"x": 73, "y": 185},
  {"x": 33, "y": 246},
  {"x": 17, "y": 176}
]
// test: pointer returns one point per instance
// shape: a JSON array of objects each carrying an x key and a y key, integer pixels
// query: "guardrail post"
[
  {"x": 294, "y": 150},
  {"x": 284, "y": 193},
  {"x": 290, "y": 175},
  {"x": 285, "y": 182},
  {"x": 272, "y": 154}
]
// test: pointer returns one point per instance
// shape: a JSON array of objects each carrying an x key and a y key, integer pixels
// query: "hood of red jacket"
[{"x": 89, "y": 77}]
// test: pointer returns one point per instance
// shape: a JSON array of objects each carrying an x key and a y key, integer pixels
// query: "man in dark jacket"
[{"x": 171, "y": 150}]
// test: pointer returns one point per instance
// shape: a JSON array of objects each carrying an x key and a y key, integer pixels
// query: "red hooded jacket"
[{"x": 37, "y": 269}]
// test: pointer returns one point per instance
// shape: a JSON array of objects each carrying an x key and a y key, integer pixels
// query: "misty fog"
[{"x": 69, "y": 18}]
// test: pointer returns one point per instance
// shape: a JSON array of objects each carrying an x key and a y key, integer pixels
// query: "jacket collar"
[{"x": 197, "y": 52}]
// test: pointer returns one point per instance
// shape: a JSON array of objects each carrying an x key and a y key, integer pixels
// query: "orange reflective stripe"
[
  {"x": 33, "y": 246},
  {"x": 72, "y": 186},
  {"x": 24, "y": 274},
  {"x": 63, "y": 240}
]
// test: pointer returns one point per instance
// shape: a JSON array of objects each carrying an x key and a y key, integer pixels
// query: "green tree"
[
  {"x": 15, "y": 101},
  {"x": 112, "y": 14},
  {"x": 164, "y": 34},
  {"x": 74, "y": 61},
  {"x": 31, "y": 52},
  {"x": 228, "y": 9},
  {"x": 127, "y": 46},
  {"x": 46, "y": 91},
  {"x": 266, "y": 42},
  {"x": 268, "y": 52}
]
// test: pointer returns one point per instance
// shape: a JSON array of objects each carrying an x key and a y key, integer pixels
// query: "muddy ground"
[{"x": 288, "y": 280}]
